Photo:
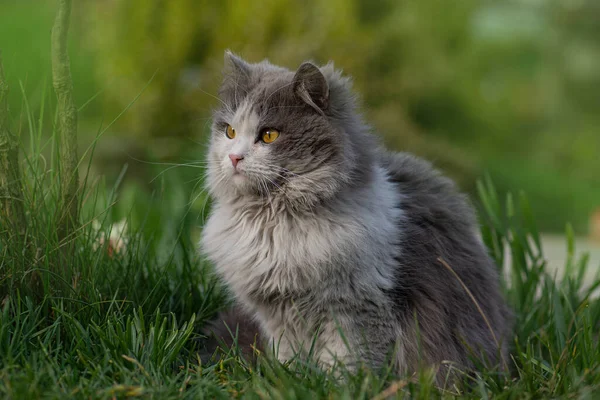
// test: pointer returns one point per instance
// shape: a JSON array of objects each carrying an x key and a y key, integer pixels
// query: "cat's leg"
[
  {"x": 334, "y": 345},
  {"x": 281, "y": 343},
  {"x": 282, "y": 348},
  {"x": 327, "y": 347}
]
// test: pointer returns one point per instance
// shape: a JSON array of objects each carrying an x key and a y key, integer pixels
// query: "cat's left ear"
[{"x": 311, "y": 87}]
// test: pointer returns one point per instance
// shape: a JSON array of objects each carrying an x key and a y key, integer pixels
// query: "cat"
[{"x": 334, "y": 245}]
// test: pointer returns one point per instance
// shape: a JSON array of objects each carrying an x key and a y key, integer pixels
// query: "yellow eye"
[
  {"x": 269, "y": 135},
  {"x": 230, "y": 132}
]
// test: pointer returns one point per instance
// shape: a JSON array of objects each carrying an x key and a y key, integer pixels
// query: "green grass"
[{"x": 77, "y": 321}]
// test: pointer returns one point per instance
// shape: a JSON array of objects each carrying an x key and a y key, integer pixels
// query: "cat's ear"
[
  {"x": 236, "y": 79},
  {"x": 311, "y": 87},
  {"x": 236, "y": 65}
]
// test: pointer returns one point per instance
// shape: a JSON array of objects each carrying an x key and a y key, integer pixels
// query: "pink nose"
[{"x": 235, "y": 158}]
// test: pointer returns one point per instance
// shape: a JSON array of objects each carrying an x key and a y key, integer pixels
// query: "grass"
[{"x": 79, "y": 319}]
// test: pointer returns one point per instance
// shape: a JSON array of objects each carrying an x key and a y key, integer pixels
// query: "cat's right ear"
[
  {"x": 311, "y": 87},
  {"x": 236, "y": 65},
  {"x": 236, "y": 79}
]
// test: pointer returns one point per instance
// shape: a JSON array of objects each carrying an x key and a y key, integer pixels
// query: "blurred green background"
[{"x": 509, "y": 88}]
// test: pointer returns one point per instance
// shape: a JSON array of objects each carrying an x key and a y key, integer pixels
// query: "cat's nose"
[{"x": 235, "y": 158}]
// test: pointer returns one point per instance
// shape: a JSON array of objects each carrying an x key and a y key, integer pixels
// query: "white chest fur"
[{"x": 284, "y": 253}]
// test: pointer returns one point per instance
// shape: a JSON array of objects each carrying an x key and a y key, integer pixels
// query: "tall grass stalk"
[
  {"x": 12, "y": 214},
  {"x": 67, "y": 119}
]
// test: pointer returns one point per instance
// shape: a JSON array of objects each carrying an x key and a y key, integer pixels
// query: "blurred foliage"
[
  {"x": 507, "y": 87},
  {"x": 376, "y": 42}
]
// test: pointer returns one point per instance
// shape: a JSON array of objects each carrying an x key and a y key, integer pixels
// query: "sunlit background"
[{"x": 508, "y": 88}]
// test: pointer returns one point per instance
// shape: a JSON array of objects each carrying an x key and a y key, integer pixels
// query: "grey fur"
[
  {"x": 324, "y": 231},
  {"x": 233, "y": 327}
]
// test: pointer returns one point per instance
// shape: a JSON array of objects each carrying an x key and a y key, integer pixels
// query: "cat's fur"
[{"x": 324, "y": 234}]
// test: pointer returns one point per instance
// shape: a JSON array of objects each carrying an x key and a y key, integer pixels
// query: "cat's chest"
[
  {"x": 354, "y": 241},
  {"x": 282, "y": 251}
]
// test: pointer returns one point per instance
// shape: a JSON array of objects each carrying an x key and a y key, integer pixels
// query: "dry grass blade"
[
  {"x": 487, "y": 322},
  {"x": 391, "y": 390}
]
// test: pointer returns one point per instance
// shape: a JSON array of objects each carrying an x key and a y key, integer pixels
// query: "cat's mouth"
[
  {"x": 238, "y": 177},
  {"x": 250, "y": 183},
  {"x": 243, "y": 180}
]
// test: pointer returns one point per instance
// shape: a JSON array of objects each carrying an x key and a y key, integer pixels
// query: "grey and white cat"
[{"x": 322, "y": 235}]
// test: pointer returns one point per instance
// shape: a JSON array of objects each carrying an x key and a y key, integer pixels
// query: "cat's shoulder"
[
  {"x": 406, "y": 168},
  {"x": 425, "y": 189}
]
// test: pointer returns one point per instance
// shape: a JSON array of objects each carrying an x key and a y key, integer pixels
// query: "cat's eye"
[
  {"x": 230, "y": 132},
  {"x": 269, "y": 135}
]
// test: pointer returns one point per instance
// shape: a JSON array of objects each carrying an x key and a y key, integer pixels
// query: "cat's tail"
[{"x": 234, "y": 331}]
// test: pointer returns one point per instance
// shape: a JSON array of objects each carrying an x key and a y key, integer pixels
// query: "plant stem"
[{"x": 67, "y": 119}]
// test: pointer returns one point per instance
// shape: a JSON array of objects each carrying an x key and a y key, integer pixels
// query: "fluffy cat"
[{"x": 330, "y": 242}]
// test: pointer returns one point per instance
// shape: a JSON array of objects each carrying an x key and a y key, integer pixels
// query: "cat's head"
[{"x": 291, "y": 137}]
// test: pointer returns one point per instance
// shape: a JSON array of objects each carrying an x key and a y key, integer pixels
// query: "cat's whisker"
[
  {"x": 206, "y": 199},
  {"x": 175, "y": 166},
  {"x": 196, "y": 180},
  {"x": 264, "y": 194},
  {"x": 194, "y": 161},
  {"x": 296, "y": 177},
  {"x": 270, "y": 203},
  {"x": 199, "y": 181},
  {"x": 278, "y": 89},
  {"x": 238, "y": 86},
  {"x": 196, "y": 197},
  {"x": 278, "y": 107},
  {"x": 273, "y": 183},
  {"x": 227, "y": 107},
  {"x": 283, "y": 177},
  {"x": 168, "y": 163}
]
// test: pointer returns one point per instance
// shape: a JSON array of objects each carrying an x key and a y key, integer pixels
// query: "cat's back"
[
  {"x": 439, "y": 233},
  {"x": 438, "y": 222},
  {"x": 428, "y": 195}
]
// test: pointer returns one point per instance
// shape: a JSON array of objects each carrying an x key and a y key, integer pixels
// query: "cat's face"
[{"x": 273, "y": 136}]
